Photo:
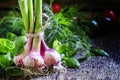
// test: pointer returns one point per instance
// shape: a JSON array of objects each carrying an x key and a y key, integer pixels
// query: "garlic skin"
[
  {"x": 34, "y": 59},
  {"x": 51, "y": 57},
  {"x": 30, "y": 57},
  {"x": 18, "y": 59},
  {"x": 37, "y": 55}
]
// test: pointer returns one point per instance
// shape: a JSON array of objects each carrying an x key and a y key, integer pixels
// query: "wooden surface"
[{"x": 8, "y": 3}]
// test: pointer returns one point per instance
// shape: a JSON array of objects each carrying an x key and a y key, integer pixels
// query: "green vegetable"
[
  {"x": 11, "y": 36},
  {"x": 19, "y": 44},
  {"x": 72, "y": 63},
  {"x": 5, "y": 60},
  {"x": 38, "y": 16},
  {"x": 65, "y": 34},
  {"x": 20, "y": 41},
  {"x": 11, "y": 25},
  {"x": 24, "y": 12},
  {"x": 6, "y": 45},
  {"x": 99, "y": 52}
]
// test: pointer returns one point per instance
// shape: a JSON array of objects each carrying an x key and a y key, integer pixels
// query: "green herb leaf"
[
  {"x": 11, "y": 36},
  {"x": 5, "y": 60},
  {"x": 72, "y": 63},
  {"x": 56, "y": 45},
  {"x": 99, "y": 52},
  {"x": 20, "y": 41},
  {"x": 19, "y": 44}
]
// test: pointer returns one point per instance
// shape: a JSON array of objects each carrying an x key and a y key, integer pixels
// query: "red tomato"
[
  {"x": 56, "y": 7},
  {"x": 110, "y": 14}
]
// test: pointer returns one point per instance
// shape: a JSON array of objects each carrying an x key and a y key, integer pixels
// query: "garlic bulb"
[
  {"x": 31, "y": 55},
  {"x": 33, "y": 59},
  {"x": 18, "y": 59},
  {"x": 51, "y": 56}
]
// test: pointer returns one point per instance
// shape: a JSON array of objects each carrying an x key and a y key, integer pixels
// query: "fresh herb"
[
  {"x": 98, "y": 52},
  {"x": 72, "y": 63},
  {"x": 65, "y": 34}
]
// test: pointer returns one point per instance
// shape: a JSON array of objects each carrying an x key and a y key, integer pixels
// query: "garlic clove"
[
  {"x": 33, "y": 60},
  {"x": 52, "y": 57},
  {"x": 18, "y": 60}
]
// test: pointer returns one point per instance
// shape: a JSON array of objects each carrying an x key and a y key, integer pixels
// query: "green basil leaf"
[
  {"x": 20, "y": 41},
  {"x": 72, "y": 63},
  {"x": 19, "y": 44}
]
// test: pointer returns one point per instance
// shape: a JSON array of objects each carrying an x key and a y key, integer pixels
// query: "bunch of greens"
[
  {"x": 65, "y": 35},
  {"x": 9, "y": 25},
  {"x": 9, "y": 31},
  {"x": 68, "y": 34}
]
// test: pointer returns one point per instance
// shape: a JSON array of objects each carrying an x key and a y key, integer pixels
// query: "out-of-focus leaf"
[
  {"x": 87, "y": 56},
  {"x": 99, "y": 52},
  {"x": 19, "y": 44},
  {"x": 11, "y": 36},
  {"x": 13, "y": 71},
  {"x": 5, "y": 60},
  {"x": 72, "y": 63}
]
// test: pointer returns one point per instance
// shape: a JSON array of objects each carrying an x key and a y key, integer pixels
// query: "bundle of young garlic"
[{"x": 36, "y": 53}]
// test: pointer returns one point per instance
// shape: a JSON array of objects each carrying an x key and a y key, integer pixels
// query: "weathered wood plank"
[{"x": 8, "y": 4}]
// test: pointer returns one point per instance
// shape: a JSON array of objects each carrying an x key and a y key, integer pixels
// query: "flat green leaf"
[
  {"x": 19, "y": 44},
  {"x": 61, "y": 48},
  {"x": 20, "y": 41},
  {"x": 56, "y": 44},
  {"x": 72, "y": 63}
]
